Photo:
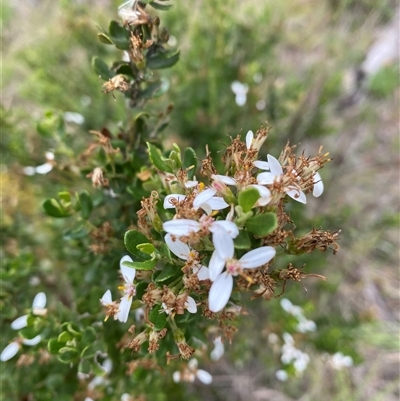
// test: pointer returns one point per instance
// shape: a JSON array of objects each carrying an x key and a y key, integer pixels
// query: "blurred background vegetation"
[{"x": 301, "y": 63}]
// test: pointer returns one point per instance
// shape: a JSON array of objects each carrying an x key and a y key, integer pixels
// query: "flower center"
[
  {"x": 233, "y": 267},
  {"x": 129, "y": 289}
]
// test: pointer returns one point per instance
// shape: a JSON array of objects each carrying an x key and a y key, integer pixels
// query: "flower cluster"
[{"x": 211, "y": 239}]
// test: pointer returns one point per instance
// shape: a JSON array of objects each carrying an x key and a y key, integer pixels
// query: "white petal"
[
  {"x": 297, "y": 195},
  {"x": 190, "y": 305},
  {"x": 125, "y": 258},
  {"x": 106, "y": 299},
  {"x": 202, "y": 273},
  {"x": 204, "y": 376},
  {"x": 220, "y": 292},
  {"x": 215, "y": 266},
  {"x": 177, "y": 247},
  {"x": 190, "y": 184},
  {"x": 224, "y": 179},
  {"x": 203, "y": 197},
  {"x": 181, "y": 227},
  {"x": 9, "y": 352},
  {"x": 257, "y": 257},
  {"x": 274, "y": 165},
  {"x": 44, "y": 168},
  {"x": 168, "y": 204},
  {"x": 266, "y": 178},
  {"x": 207, "y": 208},
  {"x": 219, "y": 349},
  {"x": 217, "y": 203},
  {"x": 192, "y": 364},
  {"x": 124, "y": 308},
  {"x": 128, "y": 274},
  {"x": 39, "y": 301},
  {"x": 230, "y": 228},
  {"x": 265, "y": 194},
  {"x": 176, "y": 377},
  {"x": 249, "y": 139},
  {"x": 261, "y": 165},
  {"x": 32, "y": 341},
  {"x": 19, "y": 323},
  {"x": 223, "y": 243},
  {"x": 318, "y": 185}
]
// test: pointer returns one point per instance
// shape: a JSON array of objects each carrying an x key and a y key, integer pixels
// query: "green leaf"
[
  {"x": 242, "y": 241},
  {"x": 86, "y": 203},
  {"x": 64, "y": 337},
  {"x": 132, "y": 239},
  {"x": 74, "y": 329},
  {"x": 161, "y": 7},
  {"x": 54, "y": 346},
  {"x": 247, "y": 198},
  {"x": 157, "y": 160},
  {"x": 147, "y": 265},
  {"x": 158, "y": 318},
  {"x": 190, "y": 160},
  {"x": 50, "y": 124},
  {"x": 65, "y": 196},
  {"x": 119, "y": 35},
  {"x": 88, "y": 351},
  {"x": 89, "y": 335},
  {"x": 104, "y": 39},
  {"x": 54, "y": 209},
  {"x": 151, "y": 89},
  {"x": 167, "y": 272},
  {"x": 161, "y": 60},
  {"x": 141, "y": 289},
  {"x": 67, "y": 354},
  {"x": 146, "y": 248},
  {"x": 84, "y": 367},
  {"x": 101, "y": 69},
  {"x": 262, "y": 224}
]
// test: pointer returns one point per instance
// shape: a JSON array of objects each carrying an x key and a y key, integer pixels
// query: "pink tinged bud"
[{"x": 220, "y": 292}]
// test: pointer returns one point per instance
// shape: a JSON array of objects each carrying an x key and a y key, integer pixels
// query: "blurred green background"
[{"x": 300, "y": 63}]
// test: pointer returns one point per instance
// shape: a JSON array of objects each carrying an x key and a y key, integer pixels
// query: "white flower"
[
  {"x": 318, "y": 185},
  {"x": 182, "y": 251},
  {"x": 38, "y": 308},
  {"x": 221, "y": 288},
  {"x": 282, "y": 375},
  {"x": 265, "y": 193},
  {"x": 276, "y": 173},
  {"x": 191, "y": 372},
  {"x": 219, "y": 349},
  {"x": 204, "y": 200},
  {"x": 129, "y": 289},
  {"x": 340, "y": 361},
  {"x": 128, "y": 12},
  {"x": 12, "y": 349}
]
